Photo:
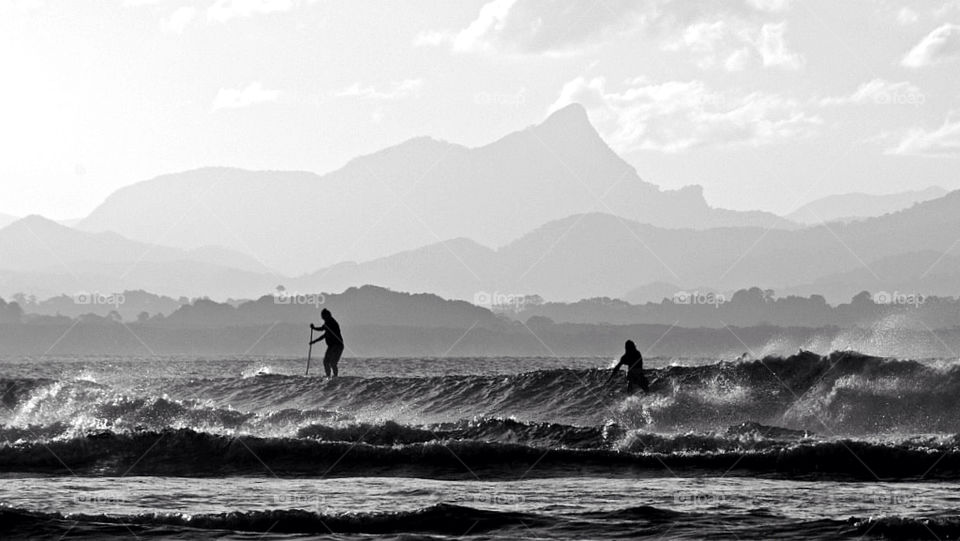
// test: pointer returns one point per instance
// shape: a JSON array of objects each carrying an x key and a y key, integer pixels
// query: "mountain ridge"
[{"x": 405, "y": 196}]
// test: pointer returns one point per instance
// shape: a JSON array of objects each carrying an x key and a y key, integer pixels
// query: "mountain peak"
[
  {"x": 37, "y": 222},
  {"x": 570, "y": 118}
]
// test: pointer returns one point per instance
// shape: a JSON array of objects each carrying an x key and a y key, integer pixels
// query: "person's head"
[
  {"x": 630, "y": 346},
  {"x": 325, "y": 314}
]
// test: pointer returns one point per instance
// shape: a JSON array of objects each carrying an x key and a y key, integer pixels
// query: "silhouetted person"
[
  {"x": 634, "y": 363},
  {"x": 333, "y": 337}
]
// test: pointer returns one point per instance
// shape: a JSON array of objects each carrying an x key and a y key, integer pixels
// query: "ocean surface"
[{"x": 807, "y": 446}]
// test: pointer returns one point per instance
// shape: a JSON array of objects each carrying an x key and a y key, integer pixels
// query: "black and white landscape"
[{"x": 365, "y": 270}]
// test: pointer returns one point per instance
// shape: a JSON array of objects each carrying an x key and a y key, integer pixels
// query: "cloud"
[
  {"x": 880, "y": 92},
  {"x": 773, "y": 49},
  {"x": 944, "y": 142},
  {"x": 679, "y": 115},
  {"x": 253, "y": 94},
  {"x": 225, "y": 10},
  {"x": 907, "y": 16},
  {"x": 398, "y": 90},
  {"x": 736, "y": 44},
  {"x": 940, "y": 45},
  {"x": 537, "y": 26},
  {"x": 770, "y": 5},
  {"x": 570, "y": 26},
  {"x": 179, "y": 19}
]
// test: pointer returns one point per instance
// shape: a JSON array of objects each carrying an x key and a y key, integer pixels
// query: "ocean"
[{"x": 805, "y": 446}]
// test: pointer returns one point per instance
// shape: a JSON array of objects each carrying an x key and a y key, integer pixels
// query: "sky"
[{"x": 767, "y": 104}]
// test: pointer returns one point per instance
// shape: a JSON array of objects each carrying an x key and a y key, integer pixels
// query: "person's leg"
[
  {"x": 330, "y": 360},
  {"x": 335, "y": 360}
]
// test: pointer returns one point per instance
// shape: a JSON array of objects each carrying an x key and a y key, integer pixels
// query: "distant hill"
[
  {"x": 405, "y": 197},
  {"x": 597, "y": 255},
  {"x": 129, "y": 304},
  {"x": 653, "y": 292},
  {"x": 41, "y": 257},
  {"x": 926, "y": 272},
  {"x": 382, "y": 323},
  {"x": 6, "y": 219},
  {"x": 367, "y": 305},
  {"x": 851, "y": 206}
]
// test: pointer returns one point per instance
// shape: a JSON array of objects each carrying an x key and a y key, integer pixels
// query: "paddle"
[{"x": 309, "y": 352}]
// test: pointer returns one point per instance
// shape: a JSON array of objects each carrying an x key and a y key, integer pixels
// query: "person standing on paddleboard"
[
  {"x": 334, "y": 338},
  {"x": 634, "y": 363}
]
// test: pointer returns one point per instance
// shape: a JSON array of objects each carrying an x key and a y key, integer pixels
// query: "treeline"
[
  {"x": 367, "y": 305},
  {"x": 758, "y": 307},
  {"x": 538, "y": 337},
  {"x": 372, "y": 305}
]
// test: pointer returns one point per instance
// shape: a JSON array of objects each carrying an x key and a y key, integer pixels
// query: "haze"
[{"x": 767, "y": 104}]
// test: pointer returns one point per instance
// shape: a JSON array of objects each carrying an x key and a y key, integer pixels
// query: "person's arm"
[
  {"x": 614, "y": 370},
  {"x": 320, "y": 328}
]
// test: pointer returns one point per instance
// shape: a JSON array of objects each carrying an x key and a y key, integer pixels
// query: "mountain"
[
  {"x": 367, "y": 305},
  {"x": 851, "y": 206},
  {"x": 652, "y": 292},
  {"x": 41, "y": 257},
  {"x": 597, "y": 255},
  {"x": 920, "y": 273},
  {"x": 405, "y": 197},
  {"x": 70, "y": 222},
  {"x": 6, "y": 219}
]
